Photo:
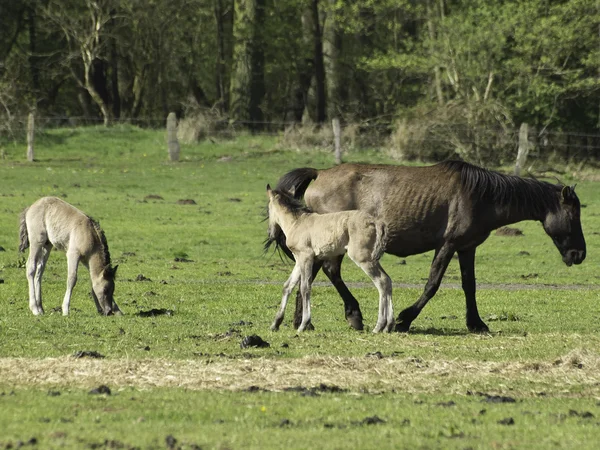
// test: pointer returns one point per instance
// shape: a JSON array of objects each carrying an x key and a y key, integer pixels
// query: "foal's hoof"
[{"x": 309, "y": 327}]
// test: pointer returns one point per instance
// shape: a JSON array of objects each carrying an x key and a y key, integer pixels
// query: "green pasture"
[{"x": 188, "y": 240}]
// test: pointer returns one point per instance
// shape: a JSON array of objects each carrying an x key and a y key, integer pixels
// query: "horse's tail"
[
  {"x": 380, "y": 240},
  {"x": 23, "y": 237},
  {"x": 295, "y": 183}
]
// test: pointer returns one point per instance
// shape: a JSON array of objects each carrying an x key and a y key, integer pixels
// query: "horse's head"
[
  {"x": 563, "y": 225},
  {"x": 104, "y": 290}
]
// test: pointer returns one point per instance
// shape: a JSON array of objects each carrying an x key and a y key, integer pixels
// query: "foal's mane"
[
  {"x": 293, "y": 205},
  {"x": 493, "y": 187},
  {"x": 101, "y": 239}
]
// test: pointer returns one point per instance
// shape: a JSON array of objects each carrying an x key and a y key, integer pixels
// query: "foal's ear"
[
  {"x": 269, "y": 191},
  {"x": 110, "y": 272}
]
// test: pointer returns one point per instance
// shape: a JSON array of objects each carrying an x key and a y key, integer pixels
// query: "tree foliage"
[{"x": 448, "y": 65}]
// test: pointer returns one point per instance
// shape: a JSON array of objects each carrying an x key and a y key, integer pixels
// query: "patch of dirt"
[
  {"x": 88, "y": 354},
  {"x": 254, "y": 341},
  {"x": 155, "y": 312},
  {"x": 141, "y": 277},
  {"x": 153, "y": 197},
  {"x": 508, "y": 231},
  {"x": 186, "y": 201}
]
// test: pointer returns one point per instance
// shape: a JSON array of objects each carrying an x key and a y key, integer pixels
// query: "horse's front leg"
[
  {"x": 333, "y": 270},
  {"x": 288, "y": 287},
  {"x": 438, "y": 268},
  {"x": 306, "y": 265},
  {"x": 298, "y": 312},
  {"x": 466, "y": 259},
  {"x": 72, "y": 263}
]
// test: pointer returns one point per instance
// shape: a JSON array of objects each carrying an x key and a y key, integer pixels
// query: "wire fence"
[{"x": 436, "y": 141}]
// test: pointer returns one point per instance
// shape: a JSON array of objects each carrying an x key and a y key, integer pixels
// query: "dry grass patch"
[{"x": 575, "y": 374}]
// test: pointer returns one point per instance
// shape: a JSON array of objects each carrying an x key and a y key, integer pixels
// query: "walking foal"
[{"x": 323, "y": 237}]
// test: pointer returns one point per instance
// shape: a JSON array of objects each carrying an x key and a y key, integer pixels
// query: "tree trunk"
[
  {"x": 437, "y": 78},
  {"x": 319, "y": 65},
  {"x": 220, "y": 78},
  {"x": 332, "y": 46},
  {"x": 247, "y": 82}
]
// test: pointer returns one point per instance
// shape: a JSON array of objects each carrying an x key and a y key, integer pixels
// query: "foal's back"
[
  {"x": 332, "y": 234},
  {"x": 53, "y": 220}
]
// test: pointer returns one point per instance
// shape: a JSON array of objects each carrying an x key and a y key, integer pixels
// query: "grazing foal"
[
  {"x": 312, "y": 236},
  {"x": 51, "y": 222}
]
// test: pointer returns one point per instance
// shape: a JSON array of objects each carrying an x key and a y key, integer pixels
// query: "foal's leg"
[
  {"x": 72, "y": 263},
  {"x": 438, "y": 268},
  {"x": 288, "y": 287},
  {"x": 332, "y": 269},
  {"x": 306, "y": 265},
  {"x": 466, "y": 259},
  {"x": 298, "y": 312},
  {"x": 34, "y": 277},
  {"x": 383, "y": 283}
]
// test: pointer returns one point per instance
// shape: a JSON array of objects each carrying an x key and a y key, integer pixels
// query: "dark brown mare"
[{"x": 450, "y": 207}]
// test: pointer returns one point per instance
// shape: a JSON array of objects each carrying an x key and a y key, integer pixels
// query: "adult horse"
[{"x": 450, "y": 207}]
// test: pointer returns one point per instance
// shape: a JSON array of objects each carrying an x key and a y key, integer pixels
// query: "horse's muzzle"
[{"x": 573, "y": 257}]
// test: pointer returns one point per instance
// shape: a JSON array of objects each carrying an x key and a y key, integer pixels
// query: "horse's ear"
[
  {"x": 292, "y": 191},
  {"x": 269, "y": 191},
  {"x": 568, "y": 193},
  {"x": 114, "y": 271}
]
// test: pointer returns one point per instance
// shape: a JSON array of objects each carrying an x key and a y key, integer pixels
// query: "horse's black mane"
[
  {"x": 295, "y": 206},
  {"x": 493, "y": 187},
  {"x": 102, "y": 238}
]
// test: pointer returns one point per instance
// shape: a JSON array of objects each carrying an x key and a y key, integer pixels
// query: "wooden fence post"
[
  {"x": 30, "y": 134},
  {"x": 337, "y": 140},
  {"x": 524, "y": 147},
  {"x": 172, "y": 141}
]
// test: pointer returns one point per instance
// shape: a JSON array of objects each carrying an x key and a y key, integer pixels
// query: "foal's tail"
[
  {"x": 380, "y": 240},
  {"x": 295, "y": 183},
  {"x": 23, "y": 237}
]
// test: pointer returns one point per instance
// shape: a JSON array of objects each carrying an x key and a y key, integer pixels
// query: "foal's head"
[
  {"x": 104, "y": 289},
  {"x": 563, "y": 225},
  {"x": 282, "y": 204}
]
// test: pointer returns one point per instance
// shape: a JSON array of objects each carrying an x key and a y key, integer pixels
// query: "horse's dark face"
[
  {"x": 564, "y": 227},
  {"x": 104, "y": 288}
]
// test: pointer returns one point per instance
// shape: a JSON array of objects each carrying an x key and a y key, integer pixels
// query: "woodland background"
[{"x": 428, "y": 79}]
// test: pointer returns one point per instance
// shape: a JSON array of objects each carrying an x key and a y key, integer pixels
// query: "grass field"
[{"x": 188, "y": 241}]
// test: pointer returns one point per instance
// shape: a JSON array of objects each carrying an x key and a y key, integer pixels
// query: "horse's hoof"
[
  {"x": 274, "y": 327},
  {"x": 355, "y": 322},
  {"x": 402, "y": 327},
  {"x": 478, "y": 328}
]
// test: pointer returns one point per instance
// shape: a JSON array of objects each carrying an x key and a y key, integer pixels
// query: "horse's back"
[{"x": 415, "y": 203}]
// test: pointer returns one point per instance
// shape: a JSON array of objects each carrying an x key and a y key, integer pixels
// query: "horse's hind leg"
[
  {"x": 438, "y": 268},
  {"x": 288, "y": 287},
  {"x": 333, "y": 270},
  {"x": 72, "y": 263}
]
